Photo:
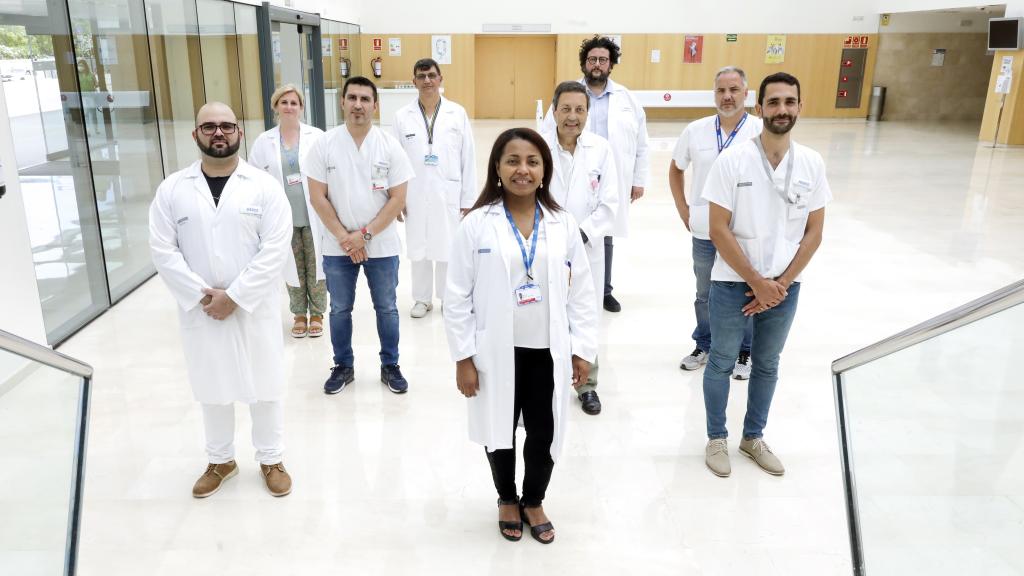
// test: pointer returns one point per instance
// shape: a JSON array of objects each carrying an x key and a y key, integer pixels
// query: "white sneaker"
[
  {"x": 741, "y": 371},
  {"x": 420, "y": 309},
  {"x": 695, "y": 360}
]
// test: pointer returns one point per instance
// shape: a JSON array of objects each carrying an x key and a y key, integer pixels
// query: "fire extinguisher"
[
  {"x": 345, "y": 66},
  {"x": 376, "y": 64}
]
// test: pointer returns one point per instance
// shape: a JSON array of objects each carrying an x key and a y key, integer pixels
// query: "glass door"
[
  {"x": 48, "y": 119},
  {"x": 290, "y": 50}
]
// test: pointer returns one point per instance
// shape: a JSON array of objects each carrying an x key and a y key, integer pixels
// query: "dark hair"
[
  {"x": 492, "y": 192},
  {"x": 359, "y": 81},
  {"x": 600, "y": 42},
  {"x": 425, "y": 64},
  {"x": 776, "y": 78},
  {"x": 566, "y": 87}
]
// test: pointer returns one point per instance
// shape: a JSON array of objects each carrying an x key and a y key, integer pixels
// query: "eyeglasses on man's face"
[
  {"x": 210, "y": 128},
  {"x": 432, "y": 76},
  {"x": 598, "y": 60}
]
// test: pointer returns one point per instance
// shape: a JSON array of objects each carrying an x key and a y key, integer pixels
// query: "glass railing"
[
  {"x": 931, "y": 433},
  {"x": 44, "y": 411}
]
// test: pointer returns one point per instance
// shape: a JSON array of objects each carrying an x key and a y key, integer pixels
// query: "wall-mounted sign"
[
  {"x": 441, "y": 48},
  {"x": 775, "y": 50},
  {"x": 394, "y": 46},
  {"x": 730, "y": 37},
  {"x": 693, "y": 49},
  {"x": 938, "y": 56},
  {"x": 342, "y": 43},
  {"x": 325, "y": 47},
  {"x": 856, "y": 42},
  {"x": 378, "y": 44}
]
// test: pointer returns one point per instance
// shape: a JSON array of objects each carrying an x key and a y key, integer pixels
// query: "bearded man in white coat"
[
  {"x": 436, "y": 135},
  {"x": 585, "y": 183},
  {"x": 220, "y": 234}
]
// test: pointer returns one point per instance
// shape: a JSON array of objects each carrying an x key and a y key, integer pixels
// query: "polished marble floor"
[{"x": 924, "y": 219}]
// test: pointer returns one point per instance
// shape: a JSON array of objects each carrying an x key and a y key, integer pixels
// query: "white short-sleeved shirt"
[
  {"x": 531, "y": 324},
  {"x": 358, "y": 180},
  {"x": 698, "y": 144},
  {"x": 768, "y": 228}
]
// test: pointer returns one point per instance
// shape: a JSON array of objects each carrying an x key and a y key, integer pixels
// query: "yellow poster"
[{"x": 775, "y": 53}]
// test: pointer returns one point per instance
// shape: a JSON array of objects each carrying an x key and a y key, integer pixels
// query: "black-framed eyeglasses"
[
  {"x": 598, "y": 59},
  {"x": 210, "y": 128}
]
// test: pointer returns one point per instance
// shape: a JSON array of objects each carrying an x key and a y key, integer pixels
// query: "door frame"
[{"x": 266, "y": 14}]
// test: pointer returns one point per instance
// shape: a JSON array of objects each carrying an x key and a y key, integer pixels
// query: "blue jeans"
[
  {"x": 382, "y": 276},
  {"x": 703, "y": 260},
  {"x": 771, "y": 328}
]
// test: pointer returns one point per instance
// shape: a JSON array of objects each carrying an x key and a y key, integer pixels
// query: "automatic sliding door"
[{"x": 46, "y": 117}]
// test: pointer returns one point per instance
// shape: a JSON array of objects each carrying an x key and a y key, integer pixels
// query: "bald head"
[
  {"x": 217, "y": 132},
  {"x": 216, "y": 112}
]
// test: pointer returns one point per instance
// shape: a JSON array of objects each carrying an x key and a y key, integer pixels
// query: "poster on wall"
[
  {"x": 441, "y": 48},
  {"x": 325, "y": 47},
  {"x": 693, "y": 49},
  {"x": 775, "y": 51},
  {"x": 394, "y": 46}
]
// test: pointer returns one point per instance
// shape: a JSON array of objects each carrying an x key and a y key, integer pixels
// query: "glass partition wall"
[
  {"x": 102, "y": 97},
  {"x": 931, "y": 424}
]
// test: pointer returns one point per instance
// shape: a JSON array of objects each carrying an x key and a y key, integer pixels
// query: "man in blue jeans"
[
  {"x": 767, "y": 211},
  {"x": 357, "y": 184},
  {"x": 699, "y": 145}
]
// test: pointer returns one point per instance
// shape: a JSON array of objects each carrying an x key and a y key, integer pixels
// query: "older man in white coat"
[
  {"x": 220, "y": 232},
  {"x": 584, "y": 183},
  {"x": 436, "y": 135},
  {"x": 617, "y": 116}
]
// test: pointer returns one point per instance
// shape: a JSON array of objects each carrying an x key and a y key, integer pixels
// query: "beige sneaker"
[
  {"x": 716, "y": 456},
  {"x": 758, "y": 451},
  {"x": 279, "y": 483},
  {"x": 213, "y": 478}
]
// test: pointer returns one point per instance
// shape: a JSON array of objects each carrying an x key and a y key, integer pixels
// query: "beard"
[
  {"x": 729, "y": 113},
  {"x": 596, "y": 77},
  {"x": 226, "y": 152},
  {"x": 769, "y": 124}
]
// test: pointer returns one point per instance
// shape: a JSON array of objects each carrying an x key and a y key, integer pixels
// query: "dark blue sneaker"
[
  {"x": 392, "y": 376},
  {"x": 339, "y": 378}
]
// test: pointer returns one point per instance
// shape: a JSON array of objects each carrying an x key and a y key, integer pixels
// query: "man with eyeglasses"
[
  {"x": 767, "y": 210},
  {"x": 436, "y": 135},
  {"x": 698, "y": 146},
  {"x": 220, "y": 234},
  {"x": 358, "y": 176},
  {"x": 617, "y": 116}
]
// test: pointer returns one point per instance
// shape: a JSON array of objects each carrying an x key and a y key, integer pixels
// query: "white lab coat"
[
  {"x": 478, "y": 314},
  {"x": 437, "y": 193},
  {"x": 627, "y": 134},
  {"x": 266, "y": 155},
  {"x": 589, "y": 193},
  {"x": 240, "y": 246}
]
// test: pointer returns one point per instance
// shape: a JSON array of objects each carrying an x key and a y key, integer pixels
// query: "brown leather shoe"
[
  {"x": 279, "y": 483},
  {"x": 212, "y": 479}
]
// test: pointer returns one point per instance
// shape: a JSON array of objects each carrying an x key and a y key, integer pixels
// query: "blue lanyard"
[
  {"x": 527, "y": 262},
  {"x": 718, "y": 132}
]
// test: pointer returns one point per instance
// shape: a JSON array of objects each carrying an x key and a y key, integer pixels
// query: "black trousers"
[{"x": 535, "y": 388}]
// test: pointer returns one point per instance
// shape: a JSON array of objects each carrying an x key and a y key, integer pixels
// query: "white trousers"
[
  {"x": 428, "y": 275},
  {"x": 267, "y": 431}
]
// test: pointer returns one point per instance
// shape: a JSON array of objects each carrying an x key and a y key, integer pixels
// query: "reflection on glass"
[
  {"x": 124, "y": 145},
  {"x": 46, "y": 122},
  {"x": 178, "y": 76},
  {"x": 220, "y": 54},
  {"x": 935, "y": 432},
  {"x": 341, "y": 60},
  {"x": 38, "y": 414},
  {"x": 290, "y": 44},
  {"x": 249, "y": 67}
]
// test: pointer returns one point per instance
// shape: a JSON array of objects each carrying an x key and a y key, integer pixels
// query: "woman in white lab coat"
[
  {"x": 521, "y": 322},
  {"x": 279, "y": 151}
]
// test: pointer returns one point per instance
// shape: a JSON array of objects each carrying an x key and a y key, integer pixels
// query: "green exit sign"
[{"x": 730, "y": 37}]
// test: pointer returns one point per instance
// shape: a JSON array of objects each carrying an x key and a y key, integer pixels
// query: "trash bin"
[{"x": 876, "y": 107}]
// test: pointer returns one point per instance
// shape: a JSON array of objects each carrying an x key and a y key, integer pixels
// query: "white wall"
[
  {"x": 1013, "y": 7},
  {"x": 643, "y": 16},
  {"x": 20, "y": 310}
]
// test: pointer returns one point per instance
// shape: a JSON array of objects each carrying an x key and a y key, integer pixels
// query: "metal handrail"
[
  {"x": 983, "y": 307},
  {"x": 43, "y": 355}
]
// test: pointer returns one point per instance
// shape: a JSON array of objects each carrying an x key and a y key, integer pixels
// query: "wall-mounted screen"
[{"x": 1004, "y": 33}]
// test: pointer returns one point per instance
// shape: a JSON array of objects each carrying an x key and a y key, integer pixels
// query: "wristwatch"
[{"x": 367, "y": 236}]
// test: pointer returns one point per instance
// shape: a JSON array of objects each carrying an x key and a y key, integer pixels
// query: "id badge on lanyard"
[
  {"x": 430, "y": 159},
  {"x": 528, "y": 293}
]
